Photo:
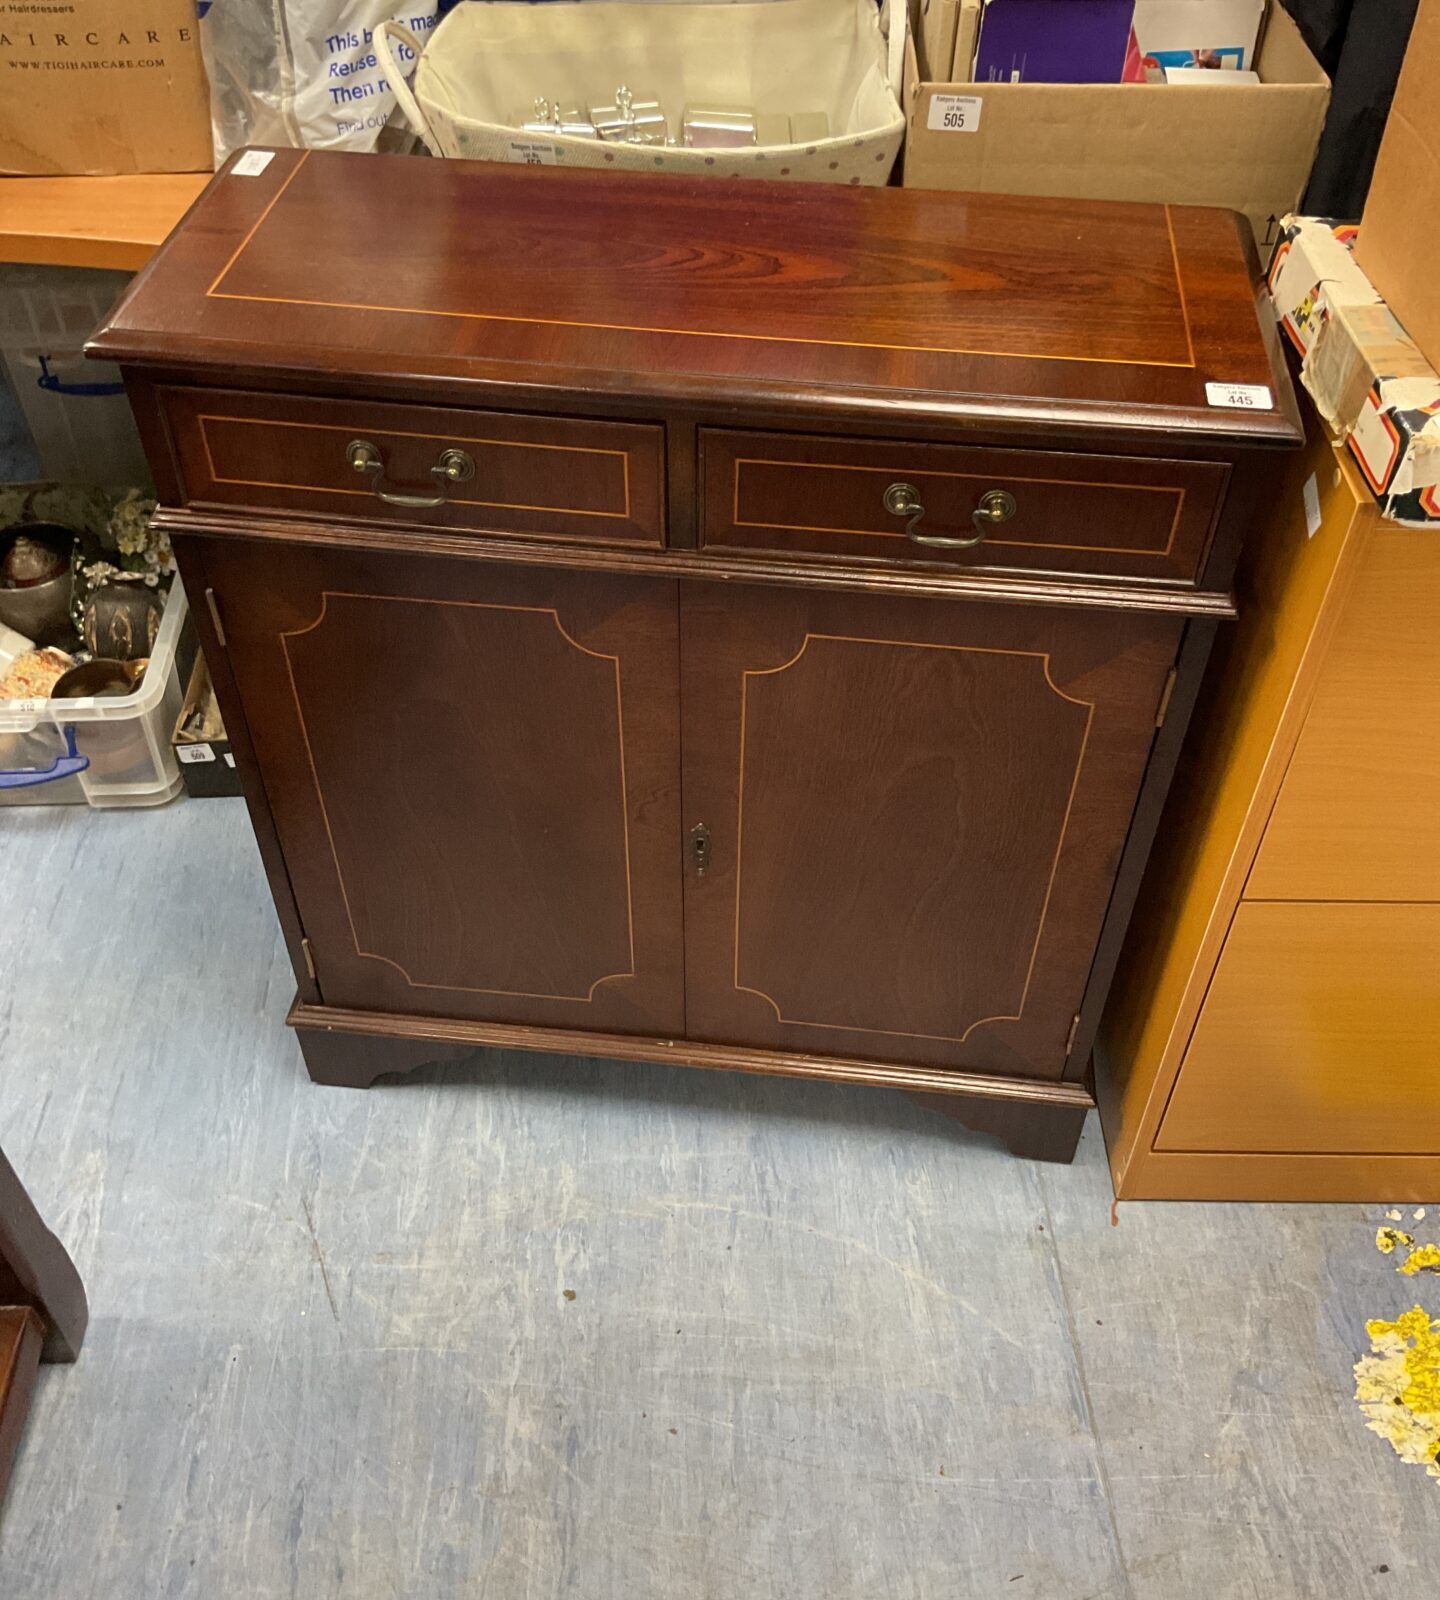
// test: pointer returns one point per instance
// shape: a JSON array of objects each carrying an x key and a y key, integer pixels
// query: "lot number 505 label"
[{"x": 955, "y": 113}]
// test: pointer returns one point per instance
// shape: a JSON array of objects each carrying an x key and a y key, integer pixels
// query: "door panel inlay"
[
  {"x": 540, "y": 805},
  {"x": 943, "y": 851}
]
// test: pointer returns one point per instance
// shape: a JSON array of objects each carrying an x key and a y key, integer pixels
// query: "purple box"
[{"x": 1053, "y": 41}]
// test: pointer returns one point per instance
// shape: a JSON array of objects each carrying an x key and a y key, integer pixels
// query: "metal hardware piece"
[
  {"x": 1074, "y": 1029},
  {"x": 718, "y": 127},
  {"x": 996, "y": 506},
  {"x": 549, "y": 116},
  {"x": 309, "y": 955},
  {"x": 631, "y": 121},
  {"x": 572, "y": 121},
  {"x": 543, "y": 116},
  {"x": 454, "y": 466},
  {"x": 700, "y": 848},
  {"x": 215, "y": 621},
  {"x": 1165, "y": 694},
  {"x": 903, "y": 500}
]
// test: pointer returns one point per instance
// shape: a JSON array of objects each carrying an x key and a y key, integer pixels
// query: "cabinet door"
[
  {"x": 915, "y": 813},
  {"x": 474, "y": 776}
]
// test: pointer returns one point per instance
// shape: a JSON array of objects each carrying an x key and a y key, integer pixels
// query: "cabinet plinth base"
[
  {"x": 1036, "y": 1131},
  {"x": 356, "y": 1060},
  {"x": 351, "y": 1049}
]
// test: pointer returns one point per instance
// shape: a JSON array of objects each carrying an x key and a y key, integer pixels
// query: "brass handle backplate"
[
  {"x": 454, "y": 466},
  {"x": 903, "y": 500}
]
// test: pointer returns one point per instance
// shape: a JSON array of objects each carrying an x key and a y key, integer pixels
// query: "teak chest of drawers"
[
  {"x": 1271, "y": 1034},
  {"x": 730, "y": 624}
]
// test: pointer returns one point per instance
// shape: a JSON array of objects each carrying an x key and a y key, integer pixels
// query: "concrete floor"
[{"x": 529, "y": 1327}]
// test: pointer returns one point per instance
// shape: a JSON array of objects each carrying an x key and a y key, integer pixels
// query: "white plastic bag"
[{"x": 300, "y": 72}]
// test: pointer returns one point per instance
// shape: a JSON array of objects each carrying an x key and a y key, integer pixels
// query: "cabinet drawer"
[
  {"x": 1094, "y": 516},
  {"x": 1317, "y": 1035},
  {"x": 550, "y": 477},
  {"x": 1358, "y": 816}
]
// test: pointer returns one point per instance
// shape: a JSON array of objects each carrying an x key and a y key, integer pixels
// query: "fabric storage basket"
[
  {"x": 107, "y": 752},
  {"x": 486, "y": 63}
]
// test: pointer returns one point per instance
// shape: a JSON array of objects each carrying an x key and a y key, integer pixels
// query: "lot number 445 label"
[
  {"x": 1240, "y": 396},
  {"x": 955, "y": 113}
]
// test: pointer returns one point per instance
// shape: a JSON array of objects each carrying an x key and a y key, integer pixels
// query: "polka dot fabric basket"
[{"x": 484, "y": 66}]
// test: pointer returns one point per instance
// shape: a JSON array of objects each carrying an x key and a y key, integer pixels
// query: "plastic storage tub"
[
  {"x": 75, "y": 410},
  {"x": 107, "y": 752}
]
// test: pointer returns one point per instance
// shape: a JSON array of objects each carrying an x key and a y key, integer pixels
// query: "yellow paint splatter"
[
  {"x": 1387, "y": 1238},
  {"x": 1423, "y": 1258},
  {"x": 1398, "y": 1386}
]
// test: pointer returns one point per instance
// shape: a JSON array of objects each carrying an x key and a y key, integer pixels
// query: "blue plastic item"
[
  {"x": 53, "y": 385},
  {"x": 65, "y": 766}
]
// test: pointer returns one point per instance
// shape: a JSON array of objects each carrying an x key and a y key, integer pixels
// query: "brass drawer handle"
[
  {"x": 903, "y": 500},
  {"x": 454, "y": 466}
]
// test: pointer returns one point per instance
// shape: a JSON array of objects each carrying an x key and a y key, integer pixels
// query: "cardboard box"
[
  {"x": 1399, "y": 243},
  {"x": 1246, "y": 147},
  {"x": 1053, "y": 41},
  {"x": 102, "y": 86},
  {"x": 1374, "y": 388},
  {"x": 945, "y": 32}
]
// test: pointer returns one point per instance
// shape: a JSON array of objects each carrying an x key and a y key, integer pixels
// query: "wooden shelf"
[{"x": 92, "y": 222}]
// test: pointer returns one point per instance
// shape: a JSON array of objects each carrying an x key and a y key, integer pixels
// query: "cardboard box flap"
[
  {"x": 944, "y": 32},
  {"x": 1399, "y": 242},
  {"x": 1283, "y": 56}
]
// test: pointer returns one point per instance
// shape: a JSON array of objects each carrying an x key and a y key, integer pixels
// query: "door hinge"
[
  {"x": 1165, "y": 694},
  {"x": 215, "y": 619},
  {"x": 1069, "y": 1043},
  {"x": 309, "y": 955}
]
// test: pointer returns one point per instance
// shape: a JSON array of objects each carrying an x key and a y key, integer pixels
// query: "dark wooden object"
[
  {"x": 21, "y": 1336},
  {"x": 36, "y": 1271},
  {"x": 1042, "y": 1131},
  {"x": 42, "y": 1308},
  {"x": 656, "y": 737}
]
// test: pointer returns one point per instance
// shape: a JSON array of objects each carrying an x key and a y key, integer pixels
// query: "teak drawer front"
[
  {"x": 570, "y": 478},
  {"x": 1358, "y": 816},
  {"x": 1311, "y": 1005},
  {"x": 1094, "y": 516}
]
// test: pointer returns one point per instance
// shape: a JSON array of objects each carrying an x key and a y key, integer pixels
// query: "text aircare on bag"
[{"x": 300, "y": 72}]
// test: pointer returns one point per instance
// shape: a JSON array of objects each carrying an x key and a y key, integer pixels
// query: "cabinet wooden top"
[{"x": 827, "y": 300}]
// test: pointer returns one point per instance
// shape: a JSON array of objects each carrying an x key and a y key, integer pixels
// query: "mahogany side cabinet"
[{"x": 742, "y": 625}]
